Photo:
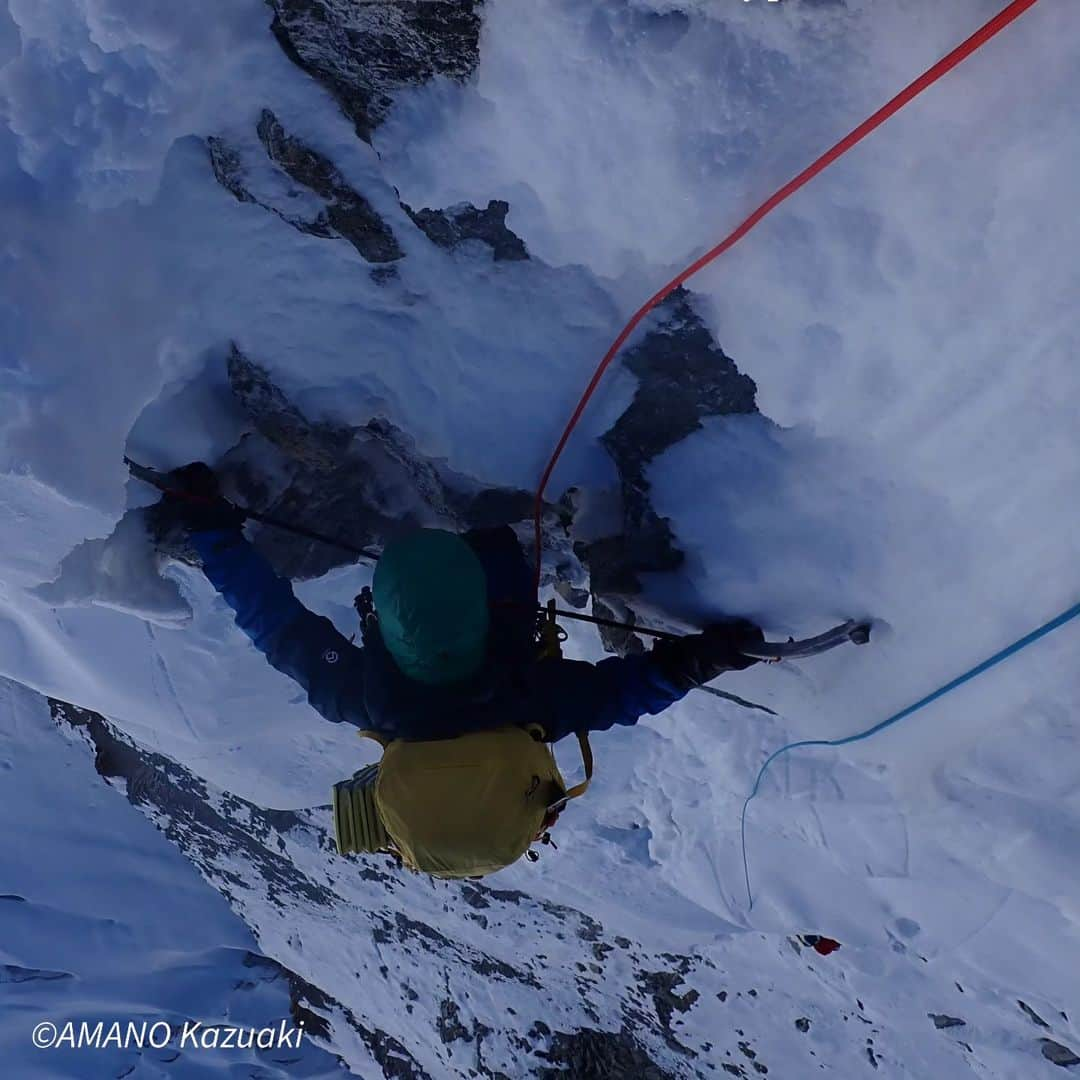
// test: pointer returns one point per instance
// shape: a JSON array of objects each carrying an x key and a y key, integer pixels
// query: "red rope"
[{"x": 1012, "y": 12}]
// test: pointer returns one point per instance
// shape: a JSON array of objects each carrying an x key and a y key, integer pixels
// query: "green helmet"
[{"x": 430, "y": 594}]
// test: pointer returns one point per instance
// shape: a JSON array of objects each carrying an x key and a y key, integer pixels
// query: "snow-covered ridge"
[{"x": 424, "y": 979}]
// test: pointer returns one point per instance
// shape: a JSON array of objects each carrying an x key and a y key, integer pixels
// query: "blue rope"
[{"x": 975, "y": 672}]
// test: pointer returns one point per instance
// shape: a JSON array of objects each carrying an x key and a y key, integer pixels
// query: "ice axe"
[{"x": 855, "y": 631}]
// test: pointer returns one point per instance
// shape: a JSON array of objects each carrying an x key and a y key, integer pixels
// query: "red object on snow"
[{"x": 825, "y": 945}]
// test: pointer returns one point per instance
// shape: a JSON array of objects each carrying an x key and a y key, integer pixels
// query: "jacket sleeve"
[
  {"x": 579, "y": 696},
  {"x": 297, "y": 642}
]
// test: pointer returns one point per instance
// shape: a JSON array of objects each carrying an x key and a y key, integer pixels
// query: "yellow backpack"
[
  {"x": 461, "y": 807},
  {"x": 469, "y": 806}
]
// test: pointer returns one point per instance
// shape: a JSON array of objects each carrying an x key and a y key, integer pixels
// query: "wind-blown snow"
[{"x": 909, "y": 320}]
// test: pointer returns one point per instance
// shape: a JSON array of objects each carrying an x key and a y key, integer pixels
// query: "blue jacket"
[{"x": 363, "y": 686}]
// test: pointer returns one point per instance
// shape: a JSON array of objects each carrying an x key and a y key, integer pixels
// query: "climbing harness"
[
  {"x": 903, "y": 714},
  {"x": 1000, "y": 21}
]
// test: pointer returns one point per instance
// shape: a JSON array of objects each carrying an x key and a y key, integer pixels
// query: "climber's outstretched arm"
[
  {"x": 297, "y": 642},
  {"x": 593, "y": 697}
]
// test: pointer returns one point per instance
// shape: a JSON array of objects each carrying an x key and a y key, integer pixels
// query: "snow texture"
[{"x": 909, "y": 324}]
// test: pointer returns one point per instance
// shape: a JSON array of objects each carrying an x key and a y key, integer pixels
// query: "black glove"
[
  {"x": 193, "y": 498},
  {"x": 698, "y": 658}
]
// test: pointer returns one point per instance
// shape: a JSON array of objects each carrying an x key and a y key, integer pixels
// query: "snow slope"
[
  {"x": 427, "y": 979},
  {"x": 908, "y": 321},
  {"x": 105, "y": 921}
]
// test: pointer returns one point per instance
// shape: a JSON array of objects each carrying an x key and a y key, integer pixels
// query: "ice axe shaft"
[
  {"x": 852, "y": 630},
  {"x": 160, "y": 480}
]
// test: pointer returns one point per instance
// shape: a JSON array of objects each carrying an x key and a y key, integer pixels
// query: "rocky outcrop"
[
  {"x": 941, "y": 1021},
  {"x": 453, "y": 227},
  {"x": 359, "y": 485},
  {"x": 364, "y": 51},
  {"x": 1058, "y": 1054},
  {"x": 318, "y": 446},
  {"x": 683, "y": 377},
  {"x": 1032, "y": 1015},
  {"x": 599, "y": 1055},
  {"x": 332, "y": 209},
  {"x": 348, "y": 214},
  {"x": 362, "y": 484}
]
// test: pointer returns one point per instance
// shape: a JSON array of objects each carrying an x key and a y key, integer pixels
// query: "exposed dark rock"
[
  {"x": 232, "y": 173},
  {"x": 228, "y": 168},
  {"x": 684, "y": 376},
  {"x": 660, "y": 985},
  {"x": 803, "y": 1024},
  {"x": 1032, "y": 1015},
  {"x": 747, "y": 1051},
  {"x": 449, "y": 1024},
  {"x": 363, "y": 52},
  {"x": 360, "y": 485},
  {"x": 451, "y": 228},
  {"x": 318, "y": 446},
  {"x": 318, "y": 1010},
  {"x": 1058, "y": 1054},
  {"x": 589, "y": 929},
  {"x": 605, "y": 559},
  {"x": 348, "y": 214},
  {"x": 943, "y": 1021},
  {"x": 575, "y": 597},
  {"x": 599, "y": 1055},
  {"x": 419, "y": 935}
]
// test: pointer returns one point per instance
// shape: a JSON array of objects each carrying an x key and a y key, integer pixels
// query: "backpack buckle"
[
  {"x": 549, "y": 635},
  {"x": 551, "y": 817}
]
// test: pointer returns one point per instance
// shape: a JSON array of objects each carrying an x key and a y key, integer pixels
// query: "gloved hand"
[
  {"x": 193, "y": 497},
  {"x": 698, "y": 658}
]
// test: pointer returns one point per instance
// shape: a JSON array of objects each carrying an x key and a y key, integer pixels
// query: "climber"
[{"x": 449, "y": 649}]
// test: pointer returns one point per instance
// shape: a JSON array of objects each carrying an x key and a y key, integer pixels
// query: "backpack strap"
[
  {"x": 587, "y": 760},
  {"x": 578, "y": 789}
]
